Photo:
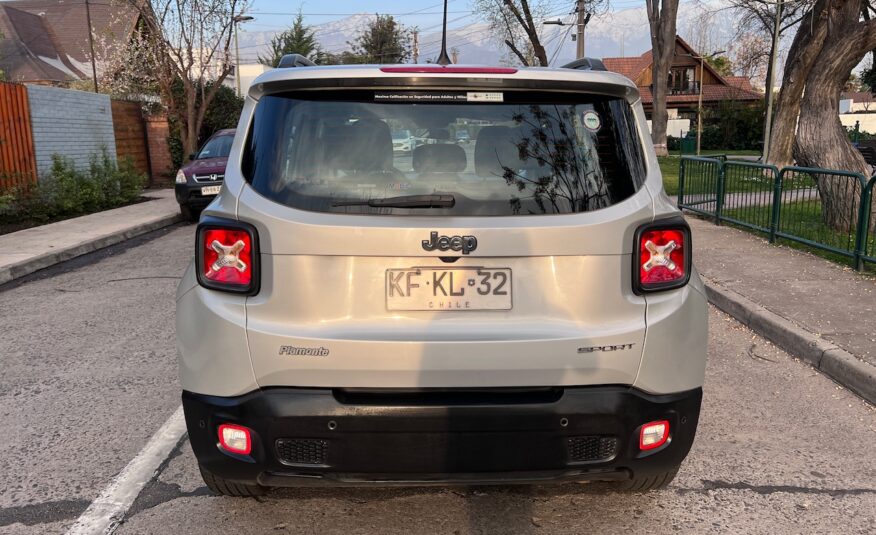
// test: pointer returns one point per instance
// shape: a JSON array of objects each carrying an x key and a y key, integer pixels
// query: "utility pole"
[
  {"x": 416, "y": 46},
  {"x": 91, "y": 44},
  {"x": 583, "y": 19},
  {"x": 771, "y": 80}
]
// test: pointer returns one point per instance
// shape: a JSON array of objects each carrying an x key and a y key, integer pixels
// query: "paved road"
[{"x": 89, "y": 373}]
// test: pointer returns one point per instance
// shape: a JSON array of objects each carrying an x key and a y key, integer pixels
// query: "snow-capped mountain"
[{"x": 706, "y": 25}]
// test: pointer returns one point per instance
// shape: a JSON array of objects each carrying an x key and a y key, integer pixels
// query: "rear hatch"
[{"x": 500, "y": 262}]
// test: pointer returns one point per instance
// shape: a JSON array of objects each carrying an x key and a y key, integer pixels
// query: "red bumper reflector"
[
  {"x": 235, "y": 439},
  {"x": 653, "y": 435}
]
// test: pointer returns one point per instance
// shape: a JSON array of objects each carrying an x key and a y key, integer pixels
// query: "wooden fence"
[
  {"x": 130, "y": 132},
  {"x": 17, "y": 160}
]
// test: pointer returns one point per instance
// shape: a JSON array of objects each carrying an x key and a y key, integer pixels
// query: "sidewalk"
[
  {"x": 822, "y": 312},
  {"x": 36, "y": 248}
]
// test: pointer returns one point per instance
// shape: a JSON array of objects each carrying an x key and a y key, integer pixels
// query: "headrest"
[
  {"x": 366, "y": 145},
  {"x": 439, "y": 158},
  {"x": 496, "y": 149}
]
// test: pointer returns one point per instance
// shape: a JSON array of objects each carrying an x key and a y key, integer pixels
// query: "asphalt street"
[{"x": 89, "y": 374}]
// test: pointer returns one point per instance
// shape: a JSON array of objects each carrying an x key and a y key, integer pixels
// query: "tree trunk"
[
  {"x": 801, "y": 57},
  {"x": 662, "y": 21},
  {"x": 822, "y": 140},
  {"x": 188, "y": 130}
]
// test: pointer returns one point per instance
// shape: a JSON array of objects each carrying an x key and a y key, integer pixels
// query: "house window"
[{"x": 682, "y": 82}]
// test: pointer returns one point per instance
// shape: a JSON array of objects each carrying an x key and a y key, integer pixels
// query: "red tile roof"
[
  {"x": 742, "y": 82},
  {"x": 629, "y": 67},
  {"x": 711, "y": 93}
]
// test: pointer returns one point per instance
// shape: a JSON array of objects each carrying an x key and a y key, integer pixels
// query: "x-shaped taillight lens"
[
  {"x": 227, "y": 256},
  {"x": 663, "y": 260}
]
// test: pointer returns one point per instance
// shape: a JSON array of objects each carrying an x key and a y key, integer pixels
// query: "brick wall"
[
  {"x": 160, "y": 162},
  {"x": 71, "y": 123}
]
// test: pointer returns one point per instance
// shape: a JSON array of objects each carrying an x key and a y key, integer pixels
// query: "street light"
[
  {"x": 700, "y": 99},
  {"x": 237, "y": 19}
]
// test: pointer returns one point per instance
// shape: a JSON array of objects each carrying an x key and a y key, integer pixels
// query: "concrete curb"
[
  {"x": 37, "y": 263},
  {"x": 840, "y": 365}
]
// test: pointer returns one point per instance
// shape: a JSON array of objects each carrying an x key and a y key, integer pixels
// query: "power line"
[{"x": 354, "y": 14}]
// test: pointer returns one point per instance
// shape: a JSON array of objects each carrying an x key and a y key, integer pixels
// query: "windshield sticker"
[
  {"x": 592, "y": 121},
  {"x": 486, "y": 97},
  {"x": 420, "y": 97}
]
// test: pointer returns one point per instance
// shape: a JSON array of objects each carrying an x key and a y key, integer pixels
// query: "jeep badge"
[{"x": 466, "y": 244}]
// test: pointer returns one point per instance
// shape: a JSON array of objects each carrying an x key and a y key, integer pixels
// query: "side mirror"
[{"x": 192, "y": 156}]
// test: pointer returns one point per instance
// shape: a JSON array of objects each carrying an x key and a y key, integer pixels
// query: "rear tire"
[
  {"x": 189, "y": 214},
  {"x": 647, "y": 483},
  {"x": 223, "y": 487}
]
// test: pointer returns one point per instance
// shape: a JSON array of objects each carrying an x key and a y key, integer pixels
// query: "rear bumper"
[{"x": 307, "y": 437}]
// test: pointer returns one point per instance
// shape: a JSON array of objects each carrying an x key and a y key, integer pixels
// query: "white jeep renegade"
[{"x": 520, "y": 308}]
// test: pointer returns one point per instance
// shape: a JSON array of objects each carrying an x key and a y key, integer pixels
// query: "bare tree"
[
  {"x": 187, "y": 41},
  {"x": 758, "y": 17},
  {"x": 801, "y": 57},
  {"x": 750, "y": 53},
  {"x": 662, "y": 18},
  {"x": 517, "y": 23}
]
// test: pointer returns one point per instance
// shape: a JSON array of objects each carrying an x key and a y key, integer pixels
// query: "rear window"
[{"x": 496, "y": 154}]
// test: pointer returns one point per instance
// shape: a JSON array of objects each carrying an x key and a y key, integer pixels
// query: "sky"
[
  {"x": 278, "y": 14},
  {"x": 275, "y": 14}
]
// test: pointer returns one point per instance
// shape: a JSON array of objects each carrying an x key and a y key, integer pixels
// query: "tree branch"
[{"x": 517, "y": 53}]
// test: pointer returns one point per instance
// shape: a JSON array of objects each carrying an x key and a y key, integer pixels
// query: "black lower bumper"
[
  {"x": 341, "y": 437},
  {"x": 190, "y": 194}
]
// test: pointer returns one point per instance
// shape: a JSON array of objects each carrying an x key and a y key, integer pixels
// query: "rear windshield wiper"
[{"x": 405, "y": 201}]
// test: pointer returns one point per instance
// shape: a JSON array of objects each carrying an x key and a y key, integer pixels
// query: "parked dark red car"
[{"x": 199, "y": 180}]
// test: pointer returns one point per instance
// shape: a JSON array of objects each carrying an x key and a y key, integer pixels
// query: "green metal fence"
[
  {"x": 869, "y": 235},
  {"x": 822, "y": 208}
]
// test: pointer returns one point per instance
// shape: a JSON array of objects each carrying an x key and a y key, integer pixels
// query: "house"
[
  {"x": 857, "y": 102},
  {"x": 47, "y": 41},
  {"x": 682, "y": 100},
  {"x": 248, "y": 72}
]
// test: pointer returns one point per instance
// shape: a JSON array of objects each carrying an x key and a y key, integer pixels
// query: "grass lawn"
[
  {"x": 803, "y": 219},
  {"x": 669, "y": 168}
]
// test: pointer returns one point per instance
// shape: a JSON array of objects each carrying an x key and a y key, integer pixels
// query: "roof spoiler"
[
  {"x": 586, "y": 64},
  {"x": 294, "y": 60}
]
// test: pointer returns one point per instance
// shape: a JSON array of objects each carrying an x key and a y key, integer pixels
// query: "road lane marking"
[{"x": 107, "y": 511}]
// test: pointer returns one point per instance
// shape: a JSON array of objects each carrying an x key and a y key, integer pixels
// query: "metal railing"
[{"x": 826, "y": 209}]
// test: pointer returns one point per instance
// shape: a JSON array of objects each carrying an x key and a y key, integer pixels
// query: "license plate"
[
  {"x": 448, "y": 289},
  {"x": 210, "y": 190}
]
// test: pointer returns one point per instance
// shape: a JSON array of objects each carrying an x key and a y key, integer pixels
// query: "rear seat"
[{"x": 442, "y": 158}]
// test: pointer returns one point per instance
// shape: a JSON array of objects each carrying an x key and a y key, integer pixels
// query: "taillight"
[
  {"x": 662, "y": 256},
  {"x": 227, "y": 256}
]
